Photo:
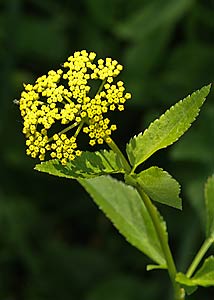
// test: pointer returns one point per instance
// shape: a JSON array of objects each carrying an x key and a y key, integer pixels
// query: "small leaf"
[
  {"x": 209, "y": 201},
  {"x": 187, "y": 283},
  {"x": 203, "y": 277},
  {"x": 88, "y": 165},
  {"x": 155, "y": 267},
  {"x": 160, "y": 186},
  {"x": 124, "y": 207},
  {"x": 167, "y": 129},
  {"x": 183, "y": 279}
]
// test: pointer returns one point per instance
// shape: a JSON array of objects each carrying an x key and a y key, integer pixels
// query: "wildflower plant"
[{"x": 64, "y": 103}]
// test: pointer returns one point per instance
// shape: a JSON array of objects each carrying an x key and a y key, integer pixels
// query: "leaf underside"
[
  {"x": 88, "y": 165},
  {"x": 167, "y": 129},
  {"x": 124, "y": 207}
]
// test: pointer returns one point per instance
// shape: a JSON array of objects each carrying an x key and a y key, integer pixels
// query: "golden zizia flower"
[{"x": 65, "y": 99}]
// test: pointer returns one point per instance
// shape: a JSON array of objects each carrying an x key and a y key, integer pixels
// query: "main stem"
[{"x": 179, "y": 293}]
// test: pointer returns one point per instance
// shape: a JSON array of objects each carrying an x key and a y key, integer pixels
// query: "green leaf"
[
  {"x": 155, "y": 267},
  {"x": 203, "y": 277},
  {"x": 167, "y": 129},
  {"x": 187, "y": 283},
  {"x": 124, "y": 207},
  {"x": 88, "y": 165},
  {"x": 198, "y": 140},
  {"x": 160, "y": 186},
  {"x": 183, "y": 279},
  {"x": 209, "y": 201}
]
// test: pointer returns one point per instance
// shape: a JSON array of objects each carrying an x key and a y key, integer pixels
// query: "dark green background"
[{"x": 54, "y": 242}]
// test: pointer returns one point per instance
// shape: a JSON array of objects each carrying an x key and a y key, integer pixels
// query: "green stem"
[
  {"x": 124, "y": 161},
  {"x": 101, "y": 86},
  {"x": 65, "y": 130},
  {"x": 202, "y": 251},
  {"x": 79, "y": 128},
  {"x": 179, "y": 293}
]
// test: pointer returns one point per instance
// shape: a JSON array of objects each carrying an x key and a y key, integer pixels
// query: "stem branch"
[
  {"x": 65, "y": 130},
  {"x": 79, "y": 128},
  {"x": 202, "y": 251},
  {"x": 124, "y": 161},
  {"x": 101, "y": 86}
]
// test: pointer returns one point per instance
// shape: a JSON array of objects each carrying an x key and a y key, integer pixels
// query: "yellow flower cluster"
[{"x": 64, "y": 97}]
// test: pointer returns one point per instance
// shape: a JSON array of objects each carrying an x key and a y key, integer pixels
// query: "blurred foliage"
[{"x": 54, "y": 242}]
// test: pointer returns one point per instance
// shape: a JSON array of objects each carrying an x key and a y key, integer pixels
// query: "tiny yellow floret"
[{"x": 61, "y": 104}]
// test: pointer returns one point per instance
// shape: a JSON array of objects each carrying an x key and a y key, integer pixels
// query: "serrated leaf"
[
  {"x": 124, "y": 207},
  {"x": 209, "y": 201},
  {"x": 167, "y": 129},
  {"x": 160, "y": 186},
  {"x": 88, "y": 165},
  {"x": 203, "y": 277}
]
